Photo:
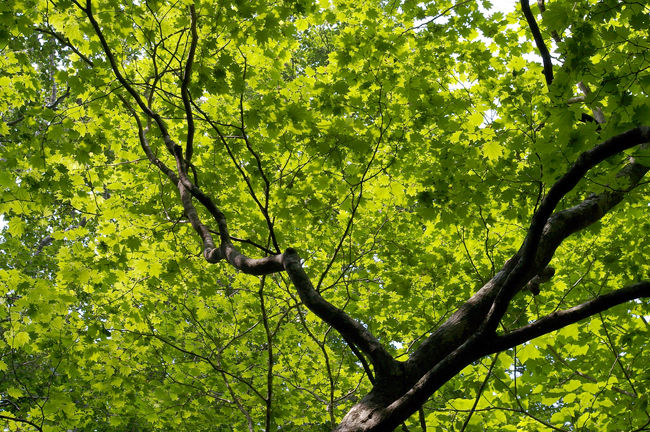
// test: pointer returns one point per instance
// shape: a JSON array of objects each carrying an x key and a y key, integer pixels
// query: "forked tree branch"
[
  {"x": 529, "y": 250},
  {"x": 226, "y": 250},
  {"x": 545, "y": 234},
  {"x": 478, "y": 346},
  {"x": 470, "y": 333},
  {"x": 573, "y": 219}
]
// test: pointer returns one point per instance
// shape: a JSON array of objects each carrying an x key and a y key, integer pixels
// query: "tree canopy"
[{"x": 313, "y": 215}]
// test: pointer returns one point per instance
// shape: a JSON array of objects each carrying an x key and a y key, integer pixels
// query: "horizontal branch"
[{"x": 560, "y": 319}]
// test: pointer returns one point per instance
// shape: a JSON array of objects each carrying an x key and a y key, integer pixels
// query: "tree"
[{"x": 409, "y": 215}]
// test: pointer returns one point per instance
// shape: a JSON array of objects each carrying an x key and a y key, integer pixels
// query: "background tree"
[{"x": 445, "y": 208}]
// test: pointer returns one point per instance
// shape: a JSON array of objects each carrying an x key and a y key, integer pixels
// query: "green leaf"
[
  {"x": 18, "y": 340},
  {"x": 14, "y": 392},
  {"x": 492, "y": 150}
]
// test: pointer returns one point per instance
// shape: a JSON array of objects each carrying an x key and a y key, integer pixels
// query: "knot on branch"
[
  {"x": 212, "y": 254},
  {"x": 543, "y": 276}
]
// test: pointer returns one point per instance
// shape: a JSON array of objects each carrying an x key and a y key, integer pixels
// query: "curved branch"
[
  {"x": 19, "y": 420},
  {"x": 187, "y": 189},
  {"x": 377, "y": 415},
  {"x": 364, "y": 363},
  {"x": 563, "y": 318},
  {"x": 539, "y": 41},
  {"x": 129, "y": 88},
  {"x": 566, "y": 222},
  {"x": 350, "y": 329},
  {"x": 145, "y": 144}
]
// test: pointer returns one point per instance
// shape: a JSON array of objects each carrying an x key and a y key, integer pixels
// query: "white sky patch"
[{"x": 505, "y": 6}]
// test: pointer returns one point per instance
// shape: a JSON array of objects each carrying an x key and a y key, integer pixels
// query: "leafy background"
[{"x": 416, "y": 148}]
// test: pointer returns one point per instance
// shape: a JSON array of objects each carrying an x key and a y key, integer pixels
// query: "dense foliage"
[{"x": 381, "y": 162}]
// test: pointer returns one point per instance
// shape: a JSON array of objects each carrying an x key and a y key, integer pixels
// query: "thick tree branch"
[
  {"x": 227, "y": 250},
  {"x": 459, "y": 338},
  {"x": 539, "y": 41},
  {"x": 378, "y": 415},
  {"x": 352, "y": 330},
  {"x": 560, "y": 319},
  {"x": 573, "y": 219}
]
